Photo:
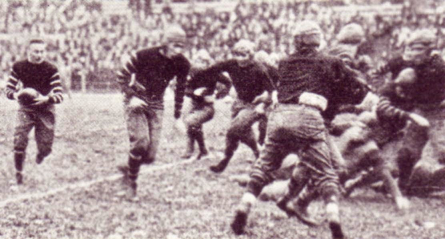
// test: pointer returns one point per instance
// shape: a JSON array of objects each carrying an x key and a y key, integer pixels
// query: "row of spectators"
[{"x": 88, "y": 41}]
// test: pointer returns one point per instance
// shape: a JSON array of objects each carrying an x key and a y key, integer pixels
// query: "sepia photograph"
[{"x": 222, "y": 119}]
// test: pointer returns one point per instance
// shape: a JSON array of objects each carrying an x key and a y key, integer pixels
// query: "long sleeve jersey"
[
  {"x": 429, "y": 87},
  {"x": 427, "y": 90},
  {"x": 154, "y": 71},
  {"x": 43, "y": 77},
  {"x": 323, "y": 75},
  {"x": 249, "y": 81},
  {"x": 201, "y": 78}
]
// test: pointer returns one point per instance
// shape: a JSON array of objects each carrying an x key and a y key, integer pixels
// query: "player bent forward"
[
  {"x": 200, "y": 89},
  {"x": 308, "y": 81},
  {"x": 253, "y": 86},
  {"x": 143, "y": 80},
  {"x": 38, "y": 74}
]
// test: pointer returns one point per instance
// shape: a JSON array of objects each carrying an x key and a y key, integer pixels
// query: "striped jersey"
[
  {"x": 153, "y": 71},
  {"x": 43, "y": 77}
]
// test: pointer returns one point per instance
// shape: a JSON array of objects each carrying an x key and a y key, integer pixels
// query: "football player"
[
  {"x": 253, "y": 86},
  {"x": 200, "y": 89},
  {"x": 309, "y": 80},
  {"x": 143, "y": 80},
  {"x": 39, "y": 112}
]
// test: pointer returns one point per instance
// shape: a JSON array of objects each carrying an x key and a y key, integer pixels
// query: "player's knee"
[
  {"x": 258, "y": 179},
  {"x": 139, "y": 150},
  {"x": 330, "y": 192}
]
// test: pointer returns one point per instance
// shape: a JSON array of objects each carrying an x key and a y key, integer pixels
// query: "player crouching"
[{"x": 200, "y": 89}]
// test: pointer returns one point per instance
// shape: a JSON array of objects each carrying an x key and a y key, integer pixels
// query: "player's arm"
[
  {"x": 181, "y": 80},
  {"x": 56, "y": 95},
  {"x": 11, "y": 85},
  {"x": 386, "y": 110},
  {"x": 385, "y": 68},
  {"x": 126, "y": 77},
  {"x": 227, "y": 85},
  {"x": 268, "y": 86},
  {"x": 220, "y": 67}
]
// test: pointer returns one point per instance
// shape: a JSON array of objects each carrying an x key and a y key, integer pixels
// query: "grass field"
[{"x": 73, "y": 194}]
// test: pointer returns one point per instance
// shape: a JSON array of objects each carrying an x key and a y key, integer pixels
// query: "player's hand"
[
  {"x": 274, "y": 100},
  {"x": 402, "y": 203},
  {"x": 180, "y": 126},
  {"x": 15, "y": 95},
  {"x": 136, "y": 102},
  {"x": 419, "y": 120},
  {"x": 261, "y": 98},
  {"x": 42, "y": 99},
  {"x": 199, "y": 91},
  {"x": 260, "y": 108}
]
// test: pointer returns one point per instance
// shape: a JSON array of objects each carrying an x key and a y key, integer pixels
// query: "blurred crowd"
[{"x": 89, "y": 42}]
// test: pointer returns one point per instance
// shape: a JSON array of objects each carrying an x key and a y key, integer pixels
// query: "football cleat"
[
  {"x": 19, "y": 178},
  {"x": 39, "y": 159},
  {"x": 299, "y": 212},
  {"x": 239, "y": 222},
  {"x": 220, "y": 167}
]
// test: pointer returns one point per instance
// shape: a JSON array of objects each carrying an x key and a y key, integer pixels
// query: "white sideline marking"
[{"x": 113, "y": 177}]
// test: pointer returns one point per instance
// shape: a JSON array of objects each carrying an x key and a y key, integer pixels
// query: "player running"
[
  {"x": 253, "y": 86},
  {"x": 38, "y": 74},
  {"x": 200, "y": 89},
  {"x": 144, "y": 79}
]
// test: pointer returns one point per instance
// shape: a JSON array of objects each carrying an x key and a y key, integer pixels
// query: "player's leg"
[
  {"x": 232, "y": 142},
  {"x": 208, "y": 113},
  {"x": 383, "y": 171},
  {"x": 242, "y": 126},
  {"x": 24, "y": 124},
  {"x": 44, "y": 134},
  {"x": 243, "y": 117},
  {"x": 137, "y": 127},
  {"x": 414, "y": 142},
  {"x": 300, "y": 178},
  {"x": 301, "y": 204},
  {"x": 201, "y": 114},
  {"x": 326, "y": 180},
  {"x": 190, "y": 119},
  {"x": 262, "y": 128},
  {"x": 277, "y": 147},
  {"x": 270, "y": 160},
  {"x": 155, "y": 133}
]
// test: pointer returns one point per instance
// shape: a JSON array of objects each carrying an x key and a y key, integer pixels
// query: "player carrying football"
[
  {"x": 144, "y": 79},
  {"x": 35, "y": 73}
]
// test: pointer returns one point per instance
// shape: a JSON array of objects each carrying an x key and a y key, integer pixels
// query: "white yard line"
[{"x": 148, "y": 169}]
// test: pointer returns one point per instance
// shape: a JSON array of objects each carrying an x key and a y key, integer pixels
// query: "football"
[{"x": 27, "y": 96}]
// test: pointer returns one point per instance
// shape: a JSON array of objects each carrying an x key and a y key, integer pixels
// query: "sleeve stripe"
[
  {"x": 14, "y": 75},
  {"x": 56, "y": 75},
  {"x": 56, "y": 82},
  {"x": 58, "y": 88},
  {"x": 11, "y": 85},
  {"x": 13, "y": 79}
]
